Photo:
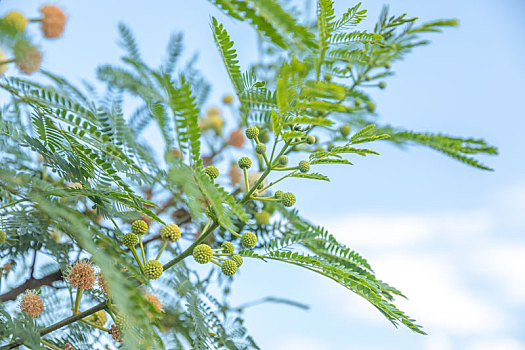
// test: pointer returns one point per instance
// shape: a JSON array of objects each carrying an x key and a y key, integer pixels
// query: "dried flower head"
[
  {"x": 28, "y": 59},
  {"x": 81, "y": 275},
  {"x": 235, "y": 174},
  {"x": 236, "y": 138},
  {"x": 68, "y": 346},
  {"x": 32, "y": 304},
  {"x": 154, "y": 301},
  {"x": 53, "y": 21},
  {"x": 115, "y": 333},
  {"x": 7, "y": 268},
  {"x": 102, "y": 283}
]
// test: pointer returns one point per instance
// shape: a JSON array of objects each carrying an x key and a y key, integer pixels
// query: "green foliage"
[{"x": 78, "y": 170}]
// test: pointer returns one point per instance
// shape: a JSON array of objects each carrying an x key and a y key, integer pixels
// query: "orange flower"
[
  {"x": 32, "y": 304},
  {"x": 28, "y": 61},
  {"x": 236, "y": 138},
  {"x": 53, "y": 21},
  {"x": 81, "y": 275},
  {"x": 155, "y": 301}
]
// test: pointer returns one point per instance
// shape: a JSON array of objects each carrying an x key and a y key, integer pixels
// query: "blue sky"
[{"x": 450, "y": 237}]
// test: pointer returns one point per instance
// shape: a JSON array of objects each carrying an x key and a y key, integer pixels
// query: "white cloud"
[
  {"x": 505, "y": 264},
  {"x": 496, "y": 344},
  {"x": 300, "y": 342}
]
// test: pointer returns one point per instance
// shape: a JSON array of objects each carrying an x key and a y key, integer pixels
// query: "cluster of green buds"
[
  {"x": 152, "y": 269},
  {"x": 225, "y": 256}
]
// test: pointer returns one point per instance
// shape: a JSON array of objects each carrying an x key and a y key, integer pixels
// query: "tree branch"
[
  {"x": 61, "y": 324},
  {"x": 31, "y": 283}
]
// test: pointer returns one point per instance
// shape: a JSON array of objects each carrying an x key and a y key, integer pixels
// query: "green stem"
[
  {"x": 13, "y": 203},
  {"x": 222, "y": 254},
  {"x": 216, "y": 263},
  {"x": 285, "y": 169},
  {"x": 276, "y": 181},
  {"x": 265, "y": 199},
  {"x": 162, "y": 249},
  {"x": 96, "y": 325},
  {"x": 136, "y": 256},
  {"x": 220, "y": 259},
  {"x": 49, "y": 345},
  {"x": 189, "y": 250},
  {"x": 246, "y": 180},
  {"x": 78, "y": 297},
  {"x": 142, "y": 250}
]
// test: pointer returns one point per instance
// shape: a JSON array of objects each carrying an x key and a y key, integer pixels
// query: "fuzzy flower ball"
[
  {"x": 139, "y": 227},
  {"x": 202, "y": 253},
  {"x": 153, "y": 269},
  {"x": 53, "y": 21},
  {"x": 102, "y": 283},
  {"x": 238, "y": 259},
  {"x": 249, "y": 240},
  {"x": 154, "y": 301},
  {"x": 229, "y": 267},
  {"x": 3, "y": 236},
  {"x": 32, "y": 304},
  {"x": 100, "y": 318},
  {"x": 236, "y": 138},
  {"x": 170, "y": 233},
  {"x": 28, "y": 60},
  {"x": 227, "y": 247},
  {"x": 17, "y": 20},
  {"x": 81, "y": 275}
]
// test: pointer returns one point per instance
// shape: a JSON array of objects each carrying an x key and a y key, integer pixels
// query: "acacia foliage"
[{"x": 77, "y": 171}]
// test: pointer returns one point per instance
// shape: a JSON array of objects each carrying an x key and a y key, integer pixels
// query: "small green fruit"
[
  {"x": 327, "y": 76},
  {"x": 310, "y": 139},
  {"x": 211, "y": 171},
  {"x": 370, "y": 106},
  {"x": 387, "y": 65},
  {"x": 202, "y": 253},
  {"x": 345, "y": 130},
  {"x": 264, "y": 136},
  {"x": 382, "y": 85},
  {"x": 252, "y": 132},
  {"x": 260, "y": 148},
  {"x": 227, "y": 248},
  {"x": 139, "y": 227},
  {"x": 238, "y": 259},
  {"x": 249, "y": 240},
  {"x": 153, "y": 269},
  {"x": 130, "y": 240},
  {"x": 262, "y": 218},
  {"x": 304, "y": 166},
  {"x": 283, "y": 160},
  {"x": 170, "y": 233},
  {"x": 229, "y": 267},
  {"x": 288, "y": 199},
  {"x": 245, "y": 163},
  {"x": 278, "y": 194}
]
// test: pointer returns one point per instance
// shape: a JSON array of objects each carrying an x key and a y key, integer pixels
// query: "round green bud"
[
  {"x": 345, "y": 130},
  {"x": 387, "y": 65},
  {"x": 202, "y": 253},
  {"x": 260, "y": 148},
  {"x": 283, "y": 160},
  {"x": 245, "y": 163},
  {"x": 170, "y": 233},
  {"x": 304, "y": 166},
  {"x": 3, "y": 237},
  {"x": 227, "y": 248},
  {"x": 238, "y": 259},
  {"x": 368, "y": 77},
  {"x": 130, "y": 240},
  {"x": 288, "y": 199},
  {"x": 211, "y": 171},
  {"x": 229, "y": 267},
  {"x": 252, "y": 132},
  {"x": 122, "y": 322},
  {"x": 382, "y": 85},
  {"x": 327, "y": 76},
  {"x": 310, "y": 139},
  {"x": 278, "y": 194},
  {"x": 153, "y": 269},
  {"x": 264, "y": 136},
  {"x": 249, "y": 240},
  {"x": 262, "y": 218},
  {"x": 139, "y": 227},
  {"x": 370, "y": 106}
]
